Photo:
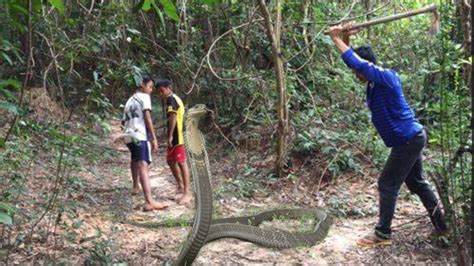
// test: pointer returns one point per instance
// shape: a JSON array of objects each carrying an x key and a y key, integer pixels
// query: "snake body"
[{"x": 205, "y": 229}]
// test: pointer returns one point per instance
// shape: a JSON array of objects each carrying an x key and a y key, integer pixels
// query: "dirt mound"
[{"x": 41, "y": 107}]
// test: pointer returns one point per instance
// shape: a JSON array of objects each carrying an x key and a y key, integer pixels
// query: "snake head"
[
  {"x": 197, "y": 112},
  {"x": 193, "y": 136},
  {"x": 202, "y": 116}
]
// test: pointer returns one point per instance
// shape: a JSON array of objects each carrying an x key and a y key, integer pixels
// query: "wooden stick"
[{"x": 427, "y": 9}]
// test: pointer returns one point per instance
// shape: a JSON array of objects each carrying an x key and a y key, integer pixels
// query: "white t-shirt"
[{"x": 135, "y": 127}]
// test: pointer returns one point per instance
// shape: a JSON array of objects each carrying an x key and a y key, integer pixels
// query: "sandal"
[{"x": 372, "y": 240}]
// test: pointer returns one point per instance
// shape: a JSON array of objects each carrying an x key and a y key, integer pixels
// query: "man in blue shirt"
[{"x": 399, "y": 129}]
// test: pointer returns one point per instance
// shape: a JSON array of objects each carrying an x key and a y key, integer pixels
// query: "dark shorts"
[
  {"x": 176, "y": 154},
  {"x": 140, "y": 151}
]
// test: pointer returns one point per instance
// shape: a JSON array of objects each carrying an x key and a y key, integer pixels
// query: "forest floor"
[{"x": 107, "y": 199}]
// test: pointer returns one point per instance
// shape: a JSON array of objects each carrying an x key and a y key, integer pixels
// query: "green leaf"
[
  {"x": 7, "y": 207},
  {"x": 210, "y": 2},
  {"x": 162, "y": 19},
  {"x": 8, "y": 95},
  {"x": 7, "y": 58},
  {"x": 58, "y": 4},
  {"x": 19, "y": 8},
  {"x": 37, "y": 5},
  {"x": 147, "y": 4},
  {"x": 76, "y": 224},
  {"x": 5, "y": 219},
  {"x": 10, "y": 82},
  {"x": 170, "y": 9},
  {"x": 10, "y": 107}
]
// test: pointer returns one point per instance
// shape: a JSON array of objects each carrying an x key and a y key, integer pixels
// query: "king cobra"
[{"x": 205, "y": 229}]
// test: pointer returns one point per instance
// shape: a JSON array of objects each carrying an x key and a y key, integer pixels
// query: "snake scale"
[{"x": 205, "y": 229}]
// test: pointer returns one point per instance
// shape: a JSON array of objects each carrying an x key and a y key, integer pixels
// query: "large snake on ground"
[{"x": 205, "y": 229}]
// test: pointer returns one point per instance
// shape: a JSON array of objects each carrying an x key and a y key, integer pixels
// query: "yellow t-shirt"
[{"x": 175, "y": 105}]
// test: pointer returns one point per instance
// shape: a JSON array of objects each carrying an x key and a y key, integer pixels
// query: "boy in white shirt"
[{"x": 140, "y": 134}]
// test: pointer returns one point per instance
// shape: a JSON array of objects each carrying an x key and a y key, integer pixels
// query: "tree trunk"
[
  {"x": 273, "y": 32},
  {"x": 182, "y": 28},
  {"x": 465, "y": 10},
  {"x": 306, "y": 5}
]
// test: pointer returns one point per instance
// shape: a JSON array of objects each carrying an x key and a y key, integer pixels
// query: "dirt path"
[{"x": 109, "y": 200}]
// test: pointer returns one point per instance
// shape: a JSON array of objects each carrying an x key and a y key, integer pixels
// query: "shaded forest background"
[{"x": 67, "y": 66}]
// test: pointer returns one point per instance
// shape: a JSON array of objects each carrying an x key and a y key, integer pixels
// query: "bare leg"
[
  {"x": 185, "y": 177},
  {"x": 134, "y": 169},
  {"x": 150, "y": 203},
  {"x": 177, "y": 176}
]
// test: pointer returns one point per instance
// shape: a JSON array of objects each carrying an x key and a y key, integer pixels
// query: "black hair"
[
  {"x": 163, "y": 83},
  {"x": 366, "y": 52},
  {"x": 146, "y": 79}
]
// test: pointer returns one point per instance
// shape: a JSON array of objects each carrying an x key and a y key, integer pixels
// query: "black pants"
[{"x": 405, "y": 165}]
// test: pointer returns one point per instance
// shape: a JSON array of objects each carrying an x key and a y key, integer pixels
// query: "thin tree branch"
[
  {"x": 316, "y": 36},
  {"x": 215, "y": 42},
  {"x": 327, "y": 167},
  {"x": 207, "y": 55},
  {"x": 92, "y": 7},
  {"x": 196, "y": 75},
  {"x": 349, "y": 11},
  {"x": 220, "y": 131},
  {"x": 302, "y": 50},
  {"x": 53, "y": 58}
]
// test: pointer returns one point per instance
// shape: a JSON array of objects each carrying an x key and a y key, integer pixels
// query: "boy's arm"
[
  {"x": 171, "y": 107},
  {"x": 149, "y": 126},
  {"x": 340, "y": 36},
  {"x": 171, "y": 127},
  {"x": 124, "y": 117},
  {"x": 370, "y": 71}
]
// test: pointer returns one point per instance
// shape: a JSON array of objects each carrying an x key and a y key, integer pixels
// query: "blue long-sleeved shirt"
[{"x": 391, "y": 114}]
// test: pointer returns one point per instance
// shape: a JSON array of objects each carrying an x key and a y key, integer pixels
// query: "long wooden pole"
[{"x": 427, "y": 9}]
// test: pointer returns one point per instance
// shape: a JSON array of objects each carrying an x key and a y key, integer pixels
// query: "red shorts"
[{"x": 176, "y": 154}]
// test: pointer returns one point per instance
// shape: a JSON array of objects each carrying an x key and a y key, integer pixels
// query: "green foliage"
[
  {"x": 104, "y": 251},
  {"x": 9, "y": 104},
  {"x": 339, "y": 206},
  {"x": 58, "y": 4},
  {"x": 170, "y": 9},
  {"x": 9, "y": 52},
  {"x": 346, "y": 205},
  {"x": 5, "y": 218},
  {"x": 5, "y": 84},
  {"x": 210, "y": 2},
  {"x": 6, "y": 213},
  {"x": 10, "y": 107},
  {"x": 181, "y": 221},
  {"x": 244, "y": 184}
]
